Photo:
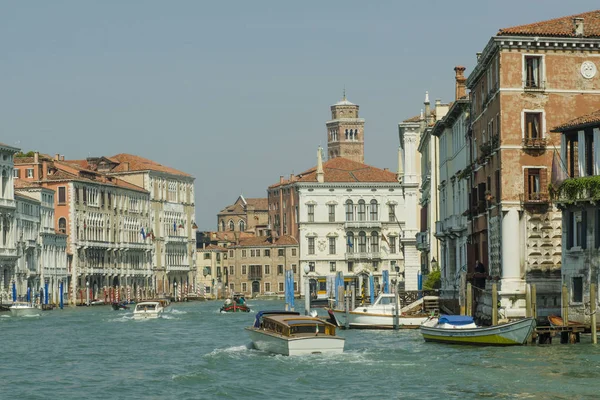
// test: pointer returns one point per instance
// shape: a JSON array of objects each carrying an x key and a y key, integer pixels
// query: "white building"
[
  {"x": 8, "y": 244},
  {"x": 453, "y": 194},
  {"x": 350, "y": 218}
]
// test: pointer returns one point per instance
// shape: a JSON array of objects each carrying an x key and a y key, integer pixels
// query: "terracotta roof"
[
  {"x": 228, "y": 236},
  {"x": 341, "y": 169},
  {"x": 562, "y": 26},
  {"x": 416, "y": 118},
  {"x": 137, "y": 163},
  {"x": 259, "y": 203},
  {"x": 284, "y": 240},
  {"x": 23, "y": 184},
  {"x": 584, "y": 120},
  {"x": 213, "y": 247}
]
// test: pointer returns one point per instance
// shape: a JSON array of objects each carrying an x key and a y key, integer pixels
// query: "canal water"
[{"x": 197, "y": 353}]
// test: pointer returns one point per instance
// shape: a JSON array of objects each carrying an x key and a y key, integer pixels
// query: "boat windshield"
[
  {"x": 146, "y": 307},
  {"x": 386, "y": 301}
]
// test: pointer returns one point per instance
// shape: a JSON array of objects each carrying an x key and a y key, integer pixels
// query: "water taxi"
[
  {"x": 23, "y": 309},
  {"x": 290, "y": 334},
  {"x": 380, "y": 314},
  {"x": 149, "y": 309},
  {"x": 461, "y": 329}
]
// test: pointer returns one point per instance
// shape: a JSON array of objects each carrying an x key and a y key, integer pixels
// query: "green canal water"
[{"x": 197, "y": 353}]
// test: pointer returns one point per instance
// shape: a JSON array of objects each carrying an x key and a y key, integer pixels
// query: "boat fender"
[{"x": 364, "y": 310}]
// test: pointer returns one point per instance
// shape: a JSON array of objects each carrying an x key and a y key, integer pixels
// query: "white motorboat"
[
  {"x": 23, "y": 309},
  {"x": 380, "y": 314},
  {"x": 290, "y": 334},
  {"x": 149, "y": 309},
  {"x": 460, "y": 329}
]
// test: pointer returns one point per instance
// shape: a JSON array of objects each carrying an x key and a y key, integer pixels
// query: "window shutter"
[
  {"x": 526, "y": 184},
  {"x": 584, "y": 229},
  {"x": 570, "y": 227},
  {"x": 543, "y": 180}
]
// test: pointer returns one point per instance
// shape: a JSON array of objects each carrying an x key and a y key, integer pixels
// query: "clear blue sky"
[{"x": 235, "y": 93}]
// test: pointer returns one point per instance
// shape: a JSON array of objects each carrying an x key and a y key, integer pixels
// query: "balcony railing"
[
  {"x": 535, "y": 198},
  {"x": 8, "y": 252},
  {"x": 439, "y": 228},
  {"x": 532, "y": 85},
  {"x": 178, "y": 267},
  {"x": 254, "y": 276},
  {"x": 362, "y": 224},
  {"x": 363, "y": 256},
  {"x": 423, "y": 241},
  {"x": 534, "y": 143}
]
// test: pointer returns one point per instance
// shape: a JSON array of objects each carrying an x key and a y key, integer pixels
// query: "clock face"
[{"x": 588, "y": 69}]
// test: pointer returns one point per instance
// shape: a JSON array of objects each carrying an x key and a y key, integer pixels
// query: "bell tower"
[{"x": 345, "y": 132}]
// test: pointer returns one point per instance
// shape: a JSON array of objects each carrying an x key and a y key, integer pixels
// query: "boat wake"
[{"x": 175, "y": 311}]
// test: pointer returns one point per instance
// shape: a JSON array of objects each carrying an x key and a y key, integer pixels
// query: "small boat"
[
  {"x": 149, "y": 309},
  {"x": 119, "y": 306},
  {"x": 555, "y": 320},
  {"x": 290, "y": 334},
  {"x": 380, "y": 314},
  {"x": 97, "y": 302},
  {"x": 23, "y": 309},
  {"x": 238, "y": 304},
  {"x": 461, "y": 329}
]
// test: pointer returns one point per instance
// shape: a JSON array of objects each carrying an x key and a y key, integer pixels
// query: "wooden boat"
[
  {"x": 289, "y": 333},
  {"x": 556, "y": 320},
  {"x": 119, "y": 306},
  {"x": 380, "y": 314},
  {"x": 238, "y": 304},
  {"x": 460, "y": 329},
  {"x": 150, "y": 309}
]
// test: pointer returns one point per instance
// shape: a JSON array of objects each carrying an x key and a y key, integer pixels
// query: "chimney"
[
  {"x": 427, "y": 108},
  {"x": 578, "y": 26},
  {"x": 386, "y": 169},
  {"x": 57, "y": 157},
  {"x": 320, "y": 174},
  {"x": 36, "y": 157},
  {"x": 400, "y": 171},
  {"x": 62, "y": 157},
  {"x": 460, "y": 86},
  {"x": 281, "y": 179},
  {"x": 126, "y": 166}
]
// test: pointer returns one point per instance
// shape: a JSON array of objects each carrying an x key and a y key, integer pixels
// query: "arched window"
[
  {"x": 374, "y": 210},
  {"x": 4, "y": 182},
  {"x": 346, "y": 134},
  {"x": 62, "y": 225},
  {"x": 351, "y": 134},
  {"x": 362, "y": 242},
  {"x": 374, "y": 242},
  {"x": 222, "y": 225},
  {"x": 362, "y": 210},
  {"x": 350, "y": 243},
  {"x": 242, "y": 226},
  {"x": 231, "y": 225},
  {"x": 349, "y": 210}
]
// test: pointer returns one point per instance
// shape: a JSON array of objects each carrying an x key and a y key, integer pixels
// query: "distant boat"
[
  {"x": 119, "y": 306},
  {"x": 289, "y": 333},
  {"x": 380, "y": 314},
  {"x": 23, "y": 309},
  {"x": 460, "y": 329},
  {"x": 150, "y": 309}
]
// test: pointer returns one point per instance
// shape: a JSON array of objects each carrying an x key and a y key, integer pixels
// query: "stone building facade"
[
  {"x": 528, "y": 78},
  {"x": 8, "y": 231},
  {"x": 245, "y": 215},
  {"x": 578, "y": 197}
]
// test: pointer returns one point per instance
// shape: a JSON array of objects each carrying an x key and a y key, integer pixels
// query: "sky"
[{"x": 235, "y": 93}]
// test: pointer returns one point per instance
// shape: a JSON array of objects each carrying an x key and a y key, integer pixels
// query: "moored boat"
[
  {"x": 381, "y": 314},
  {"x": 460, "y": 329},
  {"x": 289, "y": 333},
  {"x": 149, "y": 309},
  {"x": 23, "y": 309}
]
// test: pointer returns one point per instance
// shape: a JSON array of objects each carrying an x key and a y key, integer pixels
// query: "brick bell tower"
[{"x": 345, "y": 132}]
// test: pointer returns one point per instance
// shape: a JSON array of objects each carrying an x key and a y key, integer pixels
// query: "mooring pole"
[
  {"x": 469, "y": 310},
  {"x": 494, "y": 304},
  {"x": 565, "y": 304},
  {"x": 593, "y": 312},
  {"x": 347, "y": 324},
  {"x": 533, "y": 301},
  {"x": 528, "y": 300}
]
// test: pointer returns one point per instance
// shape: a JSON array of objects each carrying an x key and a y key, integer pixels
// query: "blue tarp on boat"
[{"x": 455, "y": 319}]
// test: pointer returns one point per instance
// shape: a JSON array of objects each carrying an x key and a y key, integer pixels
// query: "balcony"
[
  {"x": 184, "y": 268},
  {"x": 439, "y": 229},
  {"x": 7, "y": 252},
  {"x": 533, "y": 86},
  {"x": 534, "y": 143},
  {"x": 8, "y": 203},
  {"x": 363, "y": 256},
  {"x": 535, "y": 198},
  {"x": 254, "y": 276},
  {"x": 423, "y": 241},
  {"x": 362, "y": 225},
  {"x": 582, "y": 189},
  {"x": 177, "y": 239}
]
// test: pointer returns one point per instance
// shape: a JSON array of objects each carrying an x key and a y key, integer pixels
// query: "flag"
[
  {"x": 350, "y": 244},
  {"x": 181, "y": 225},
  {"x": 559, "y": 173},
  {"x": 143, "y": 233},
  {"x": 174, "y": 226}
]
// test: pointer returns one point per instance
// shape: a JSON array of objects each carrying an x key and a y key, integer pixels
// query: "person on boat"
[{"x": 240, "y": 300}]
